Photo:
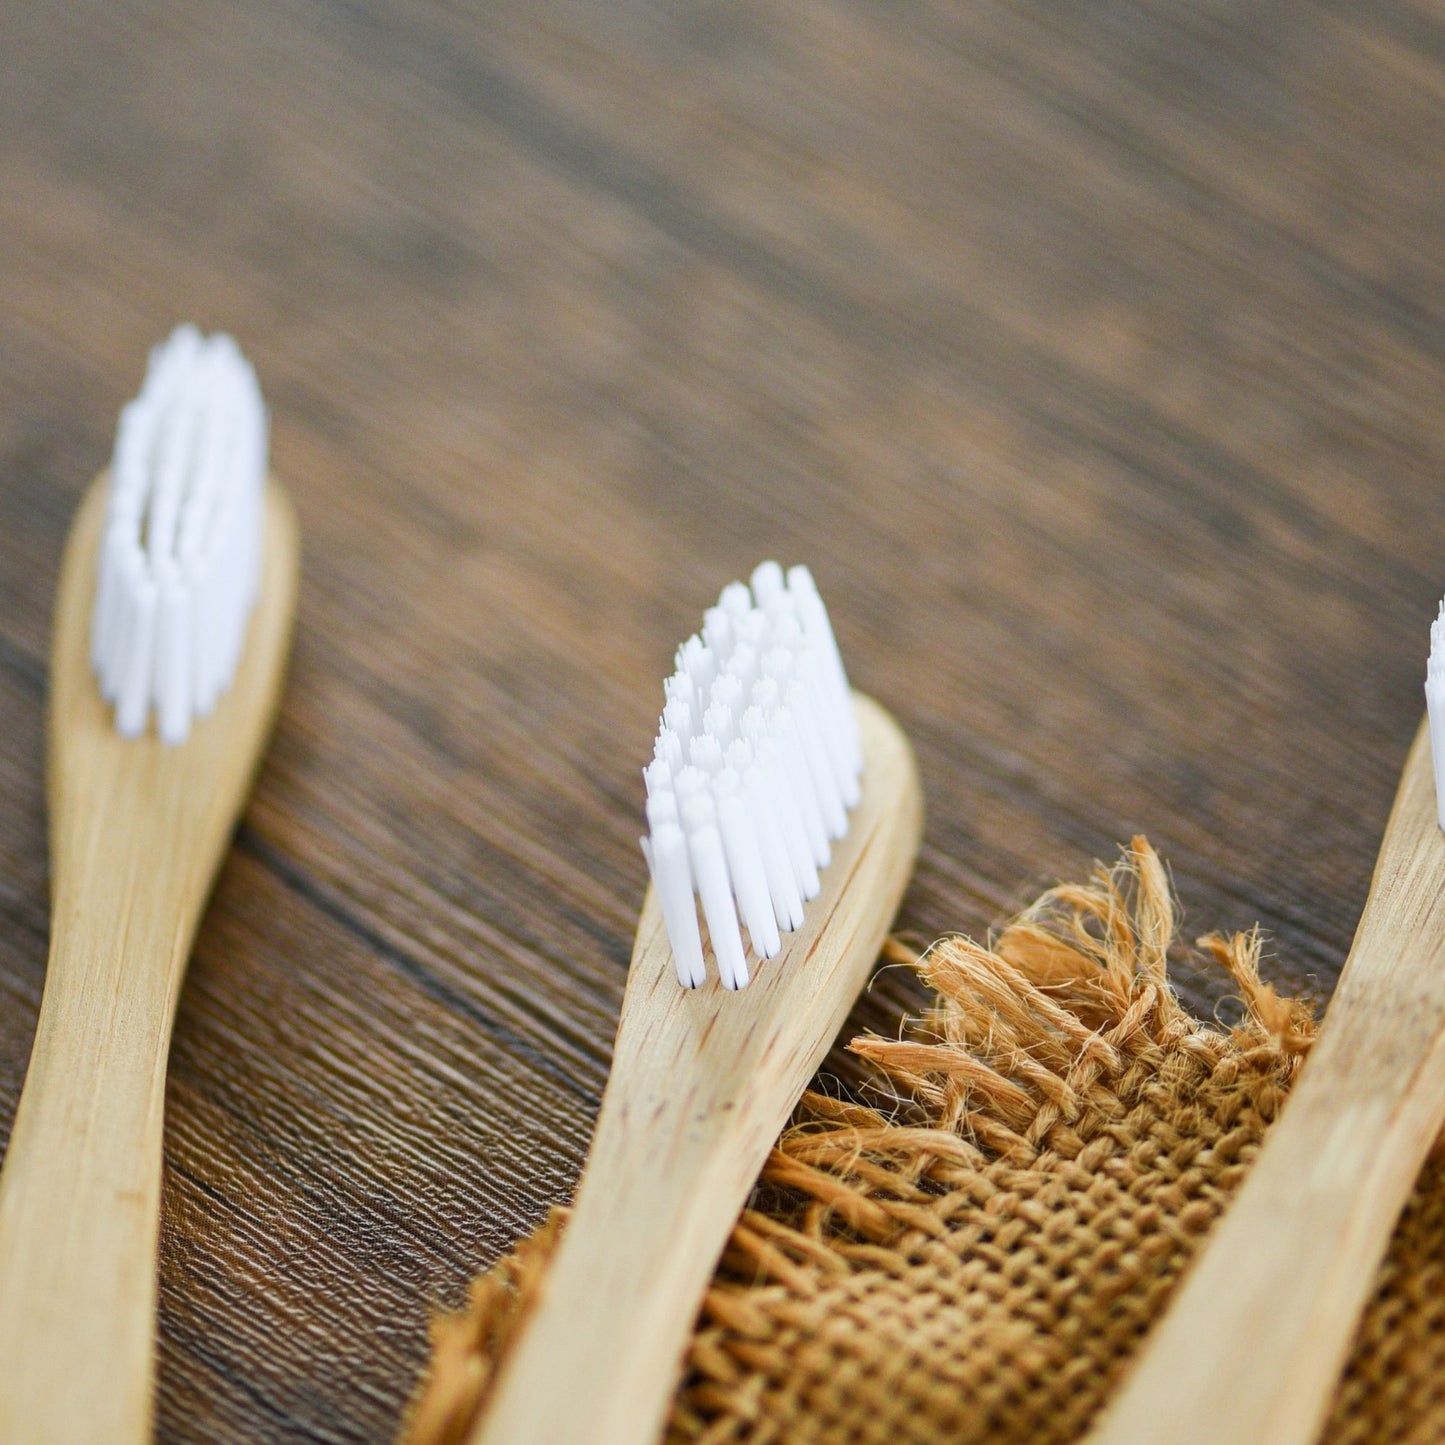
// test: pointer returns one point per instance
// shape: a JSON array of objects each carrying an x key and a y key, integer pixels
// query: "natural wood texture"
[
  {"x": 702, "y": 1081},
  {"x": 1249, "y": 1352},
  {"x": 137, "y": 832},
  {"x": 1090, "y": 355}
]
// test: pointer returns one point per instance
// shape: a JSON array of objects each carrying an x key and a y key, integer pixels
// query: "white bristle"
[
  {"x": 745, "y": 864},
  {"x": 706, "y": 753},
  {"x": 743, "y": 665},
  {"x": 701, "y": 666},
  {"x": 662, "y": 808},
  {"x": 714, "y": 887},
  {"x": 735, "y": 599},
  {"x": 753, "y": 630},
  {"x": 727, "y": 692},
  {"x": 782, "y": 881},
  {"x": 755, "y": 769},
  {"x": 783, "y": 798},
  {"x": 180, "y": 557},
  {"x": 767, "y": 582},
  {"x": 672, "y": 877},
  {"x": 1435, "y": 704},
  {"x": 657, "y": 776},
  {"x": 717, "y": 631},
  {"x": 798, "y": 775},
  {"x": 718, "y": 720},
  {"x": 677, "y": 719},
  {"x": 668, "y": 750},
  {"x": 679, "y": 687},
  {"x": 814, "y": 617},
  {"x": 688, "y": 781}
]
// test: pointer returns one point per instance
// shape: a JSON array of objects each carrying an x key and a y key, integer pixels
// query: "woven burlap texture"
[{"x": 974, "y": 1254}]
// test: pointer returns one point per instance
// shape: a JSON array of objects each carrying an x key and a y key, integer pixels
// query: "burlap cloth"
[{"x": 976, "y": 1259}]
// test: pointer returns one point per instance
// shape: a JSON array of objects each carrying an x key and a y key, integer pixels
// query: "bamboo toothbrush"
[
  {"x": 1251, "y": 1349},
  {"x": 755, "y": 804},
  {"x": 177, "y": 593}
]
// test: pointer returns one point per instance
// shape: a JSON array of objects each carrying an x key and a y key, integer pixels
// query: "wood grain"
[
  {"x": 138, "y": 831},
  {"x": 1091, "y": 356},
  {"x": 1250, "y": 1350}
]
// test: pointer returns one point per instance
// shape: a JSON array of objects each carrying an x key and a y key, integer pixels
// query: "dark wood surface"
[{"x": 1093, "y": 355}]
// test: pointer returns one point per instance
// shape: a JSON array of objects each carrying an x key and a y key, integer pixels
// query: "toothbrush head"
[
  {"x": 755, "y": 769},
  {"x": 180, "y": 559}
]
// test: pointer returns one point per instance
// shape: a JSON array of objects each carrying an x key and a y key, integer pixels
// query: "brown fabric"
[{"x": 975, "y": 1258}]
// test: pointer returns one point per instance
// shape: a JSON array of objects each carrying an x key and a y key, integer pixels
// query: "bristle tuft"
[
  {"x": 180, "y": 557},
  {"x": 756, "y": 767}
]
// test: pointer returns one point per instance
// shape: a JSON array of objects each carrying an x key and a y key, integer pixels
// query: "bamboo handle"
[
  {"x": 636, "y": 1260},
  {"x": 1252, "y": 1347},
  {"x": 80, "y": 1208}
]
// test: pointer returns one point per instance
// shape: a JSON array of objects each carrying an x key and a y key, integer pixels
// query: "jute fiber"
[{"x": 975, "y": 1255}]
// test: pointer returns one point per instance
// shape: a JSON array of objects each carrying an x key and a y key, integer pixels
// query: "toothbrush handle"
[
  {"x": 601, "y": 1356},
  {"x": 80, "y": 1203},
  {"x": 1251, "y": 1348}
]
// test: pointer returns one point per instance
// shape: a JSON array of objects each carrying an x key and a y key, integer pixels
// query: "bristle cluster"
[
  {"x": 755, "y": 769},
  {"x": 180, "y": 560},
  {"x": 1435, "y": 705}
]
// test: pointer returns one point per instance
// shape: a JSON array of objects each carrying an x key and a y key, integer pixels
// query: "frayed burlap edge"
[{"x": 975, "y": 1253}]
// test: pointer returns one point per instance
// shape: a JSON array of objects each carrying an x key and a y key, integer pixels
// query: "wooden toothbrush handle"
[
  {"x": 1251, "y": 1349},
  {"x": 80, "y": 1209},
  {"x": 600, "y": 1359}
]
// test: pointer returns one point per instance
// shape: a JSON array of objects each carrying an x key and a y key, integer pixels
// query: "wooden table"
[{"x": 1092, "y": 356}]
